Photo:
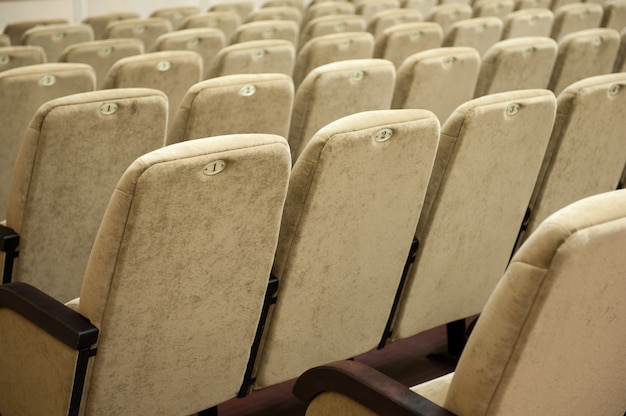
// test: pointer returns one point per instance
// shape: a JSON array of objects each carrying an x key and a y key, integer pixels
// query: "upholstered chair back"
[
  {"x": 437, "y": 79},
  {"x": 497, "y": 8},
  {"x": 583, "y": 54},
  {"x": 332, "y": 48},
  {"x": 55, "y": 38},
  {"x": 332, "y": 23},
  {"x": 576, "y": 16},
  {"x": 99, "y": 22},
  {"x": 325, "y": 8},
  {"x": 470, "y": 221},
  {"x": 614, "y": 15},
  {"x": 254, "y": 57},
  {"x": 448, "y": 13},
  {"x": 226, "y": 21},
  {"x": 390, "y": 17},
  {"x": 533, "y": 4},
  {"x": 528, "y": 22},
  {"x": 620, "y": 59},
  {"x": 293, "y": 14},
  {"x": 63, "y": 178},
  {"x": 276, "y": 3},
  {"x": 338, "y": 204},
  {"x": 176, "y": 15},
  {"x": 5, "y": 40},
  {"x": 241, "y": 103},
  {"x": 17, "y": 56},
  {"x": 15, "y": 30},
  {"x": 370, "y": 8},
  {"x": 405, "y": 39},
  {"x": 478, "y": 33},
  {"x": 516, "y": 64},
  {"x": 423, "y": 6},
  {"x": 102, "y": 54},
  {"x": 268, "y": 29},
  {"x": 240, "y": 8},
  {"x": 337, "y": 90},
  {"x": 23, "y": 91},
  {"x": 147, "y": 29}
]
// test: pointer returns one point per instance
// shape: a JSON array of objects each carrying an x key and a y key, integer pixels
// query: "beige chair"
[
  {"x": 327, "y": 8},
  {"x": 55, "y": 38},
  {"x": 172, "y": 72},
  {"x": 241, "y": 8},
  {"x": 446, "y": 14},
  {"x": 400, "y": 41},
  {"x": 390, "y": 17},
  {"x": 147, "y": 29},
  {"x": 18, "y": 56},
  {"x": 280, "y": 3},
  {"x": 587, "y": 150},
  {"x": 528, "y": 22},
  {"x": 206, "y": 41},
  {"x": 226, "y": 21},
  {"x": 478, "y": 33},
  {"x": 369, "y": 8},
  {"x": 328, "y": 25},
  {"x": 176, "y": 15},
  {"x": 584, "y": 54},
  {"x": 574, "y": 17},
  {"x": 15, "y": 29},
  {"x": 234, "y": 104},
  {"x": 497, "y": 8},
  {"x": 63, "y": 179},
  {"x": 154, "y": 331},
  {"x": 437, "y": 79},
  {"x": 102, "y": 54},
  {"x": 614, "y": 15},
  {"x": 336, "y": 90},
  {"x": 517, "y": 64},
  {"x": 332, "y": 48},
  {"x": 268, "y": 29},
  {"x": 5, "y": 40},
  {"x": 99, "y": 22},
  {"x": 532, "y": 4},
  {"x": 620, "y": 59},
  {"x": 23, "y": 91},
  {"x": 254, "y": 57},
  {"x": 557, "y": 313},
  {"x": 488, "y": 147},
  {"x": 338, "y": 204},
  {"x": 290, "y": 13},
  {"x": 422, "y": 5}
]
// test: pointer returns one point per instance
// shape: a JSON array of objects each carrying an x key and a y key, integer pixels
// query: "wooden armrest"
[
  {"x": 368, "y": 387},
  {"x": 50, "y": 315},
  {"x": 9, "y": 239}
]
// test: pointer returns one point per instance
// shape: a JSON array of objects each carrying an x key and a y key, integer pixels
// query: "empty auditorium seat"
[
  {"x": 574, "y": 17},
  {"x": 147, "y": 29},
  {"x": 254, "y": 57},
  {"x": 528, "y": 22},
  {"x": 333, "y": 23},
  {"x": 390, "y": 17},
  {"x": 278, "y": 3},
  {"x": 446, "y": 14},
  {"x": 326, "y": 8},
  {"x": 422, "y": 5},
  {"x": 478, "y": 33},
  {"x": 614, "y": 15},
  {"x": 226, "y": 21},
  {"x": 100, "y": 22},
  {"x": 497, "y": 8},
  {"x": 268, "y": 29},
  {"x": 241, "y": 8},
  {"x": 276, "y": 13},
  {"x": 532, "y": 4},
  {"x": 369, "y": 8},
  {"x": 17, "y": 56},
  {"x": 14, "y": 30},
  {"x": 400, "y": 41},
  {"x": 55, "y": 38},
  {"x": 176, "y": 15}
]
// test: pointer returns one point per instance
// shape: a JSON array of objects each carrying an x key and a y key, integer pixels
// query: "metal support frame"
[{"x": 9, "y": 242}]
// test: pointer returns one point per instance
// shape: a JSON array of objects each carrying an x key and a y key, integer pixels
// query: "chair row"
[{"x": 373, "y": 203}]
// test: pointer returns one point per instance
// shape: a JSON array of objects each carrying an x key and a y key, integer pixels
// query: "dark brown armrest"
[
  {"x": 367, "y": 386},
  {"x": 52, "y": 316}
]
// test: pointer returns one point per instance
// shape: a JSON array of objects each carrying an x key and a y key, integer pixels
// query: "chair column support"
[
  {"x": 9, "y": 241},
  {"x": 80, "y": 375}
]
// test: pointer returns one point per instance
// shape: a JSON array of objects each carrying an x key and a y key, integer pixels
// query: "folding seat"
[
  {"x": 336, "y": 90},
  {"x": 55, "y": 38},
  {"x": 5, "y": 40},
  {"x": 63, "y": 179},
  {"x": 333, "y": 23},
  {"x": 176, "y": 15},
  {"x": 100, "y": 22},
  {"x": 254, "y": 57},
  {"x": 276, "y": 13},
  {"x": 532, "y": 4},
  {"x": 327, "y": 8},
  {"x": 337, "y": 205},
  {"x": 390, "y": 17},
  {"x": 226, "y": 21},
  {"x": 446, "y": 14},
  {"x": 234, "y": 104},
  {"x": 620, "y": 59},
  {"x": 574, "y": 17},
  {"x": 369, "y": 8},
  {"x": 477, "y": 32},
  {"x": 278, "y": 3},
  {"x": 332, "y": 48},
  {"x": 241, "y": 8},
  {"x": 437, "y": 79},
  {"x": 422, "y": 5},
  {"x": 400, "y": 41},
  {"x": 172, "y": 72},
  {"x": 23, "y": 91},
  {"x": 614, "y": 15},
  {"x": 147, "y": 29},
  {"x": 587, "y": 150},
  {"x": 494, "y": 144},
  {"x": 528, "y": 22},
  {"x": 205, "y": 41},
  {"x": 17, "y": 56},
  {"x": 15, "y": 30},
  {"x": 583, "y": 54},
  {"x": 497, "y": 8},
  {"x": 167, "y": 267},
  {"x": 102, "y": 54},
  {"x": 517, "y": 64},
  {"x": 560, "y": 298},
  {"x": 268, "y": 29}
]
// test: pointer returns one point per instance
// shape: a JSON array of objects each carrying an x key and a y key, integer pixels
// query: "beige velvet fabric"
[
  {"x": 478, "y": 33},
  {"x": 244, "y": 103},
  {"x": 488, "y": 147},
  {"x": 436, "y": 389},
  {"x": 293, "y": 3},
  {"x": 553, "y": 330},
  {"x": 387, "y": 18},
  {"x": 15, "y": 30},
  {"x": 254, "y": 57},
  {"x": 5, "y": 40},
  {"x": 147, "y": 29},
  {"x": 17, "y": 56},
  {"x": 345, "y": 237},
  {"x": 289, "y": 13},
  {"x": 334, "y": 23},
  {"x": 226, "y": 21},
  {"x": 405, "y": 39},
  {"x": 176, "y": 15},
  {"x": 71, "y": 157},
  {"x": 497, "y": 8},
  {"x": 446, "y": 14},
  {"x": 422, "y": 5},
  {"x": 268, "y": 29},
  {"x": 587, "y": 149},
  {"x": 23, "y": 91},
  {"x": 528, "y": 22},
  {"x": 178, "y": 273},
  {"x": 240, "y": 8},
  {"x": 55, "y": 38},
  {"x": 614, "y": 15},
  {"x": 532, "y": 4},
  {"x": 332, "y": 48},
  {"x": 99, "y": 22},
  {"x": 437, "y": 79},
  {"x": 337, "y": 90},
  {"x": 584, "y": 54},
  {"x": 576, "y": 16},
  {"x": 332, "y": 403},
  {"x": 620, "y": 59},
  {"x": 327, "y": 8},
  {"x": 370, "y": 8},
  {"x": 516, "y": 64},
  {"x": 102, "y": 54},
  {"x": 172, "y": 72}
]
